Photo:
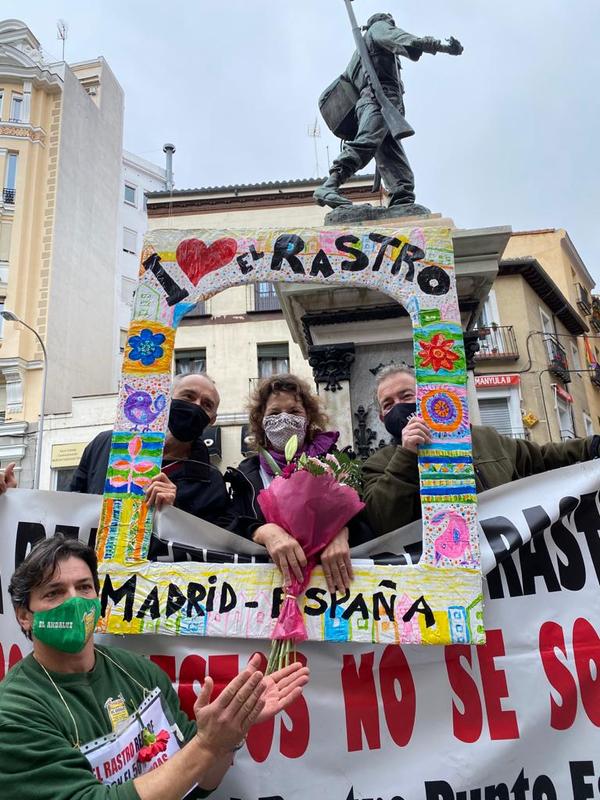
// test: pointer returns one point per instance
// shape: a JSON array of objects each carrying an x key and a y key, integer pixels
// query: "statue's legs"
[
  {"x": 396, "y": 174},
  {"x": 372, "y": 140}
]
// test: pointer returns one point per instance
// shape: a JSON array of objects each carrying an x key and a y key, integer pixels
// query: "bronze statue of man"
[{"x": 367, "y": 135}]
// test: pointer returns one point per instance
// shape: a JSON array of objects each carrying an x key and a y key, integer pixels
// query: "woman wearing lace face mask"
[{"x": 282, "y": 406}]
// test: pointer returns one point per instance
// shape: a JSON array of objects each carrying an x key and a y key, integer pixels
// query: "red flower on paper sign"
[
  {"x": 153, "y": 745},
  {"x": 438, "y": 353}
]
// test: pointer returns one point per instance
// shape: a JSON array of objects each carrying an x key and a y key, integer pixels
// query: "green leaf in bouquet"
[
  {"x": 291, "y": 447},
  {"x": 275, "y": 468}
]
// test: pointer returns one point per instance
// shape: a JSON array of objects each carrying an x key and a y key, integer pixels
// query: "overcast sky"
[{"x": 507, "y": 134}]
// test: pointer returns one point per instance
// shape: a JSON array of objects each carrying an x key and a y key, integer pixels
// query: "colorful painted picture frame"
[{"x": 438, "y": 600}]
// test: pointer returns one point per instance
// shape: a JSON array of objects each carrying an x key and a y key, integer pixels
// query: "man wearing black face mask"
[
  {"x": 187, "y": 480},
  {"x": 391, "y": 474}
]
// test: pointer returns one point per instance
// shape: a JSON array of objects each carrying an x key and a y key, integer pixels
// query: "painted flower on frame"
[
  {"x": 438, "y": 353},
  {"x": 146, "y": 347},
  {"x": 133, "y": 475}
]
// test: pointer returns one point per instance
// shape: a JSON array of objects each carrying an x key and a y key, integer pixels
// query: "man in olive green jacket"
[{"x": 392, "y": 477}]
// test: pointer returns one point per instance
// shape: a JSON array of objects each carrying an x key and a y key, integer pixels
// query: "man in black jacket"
[{"x": 188, "y": 480}]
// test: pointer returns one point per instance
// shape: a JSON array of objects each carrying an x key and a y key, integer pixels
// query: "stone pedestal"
[{"x": 346, "y": 215}]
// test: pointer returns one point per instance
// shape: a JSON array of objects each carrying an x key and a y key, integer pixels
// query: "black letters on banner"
[
  {"x": 572, "y": 572},
  {"x": 534, "y": 556},
  {"x": 151, "y": 605},
  {"x": 361, "y": 260},
  {"x": 321, "y": 265},
  {"x": 422, "y": 607},
  {"x": 580, "y": 770},
  {"x": 499, "y": 530},
  {"x": 287, "y": 247},
  {"x": 127, "y": 591},
  {"x": 174, "y": 292},
  {"x": 385, "y": 242},
  {"x": 28, "y": 535},
  {"x": 408, "y": 255}
]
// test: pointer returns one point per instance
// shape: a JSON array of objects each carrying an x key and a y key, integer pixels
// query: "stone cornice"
[
  {"x": 23, "y": 130},
  {"x": 20, "y": 64},
  {"x": 19, "y": 363}
]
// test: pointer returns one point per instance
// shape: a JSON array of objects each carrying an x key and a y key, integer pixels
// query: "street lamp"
[{"x": 12, "y": 317}]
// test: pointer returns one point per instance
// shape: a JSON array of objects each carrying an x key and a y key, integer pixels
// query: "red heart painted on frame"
[{"x": 197, "y": 260}]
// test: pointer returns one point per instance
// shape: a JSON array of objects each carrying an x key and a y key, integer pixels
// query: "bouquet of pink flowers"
[{"x": 312, "y": 498}]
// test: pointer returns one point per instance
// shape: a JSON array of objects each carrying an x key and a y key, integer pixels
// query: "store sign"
[
  {"x": 493, "y": 381},
  {"x": 67, "y": 455}
]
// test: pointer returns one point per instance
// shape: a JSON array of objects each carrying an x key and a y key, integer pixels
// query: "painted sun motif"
[
  {"x": 438, "y": 353},
  {"x": 442, "y": 410}
]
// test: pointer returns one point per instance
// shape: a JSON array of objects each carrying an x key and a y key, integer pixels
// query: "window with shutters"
[
  {"x": 127, "y": 291},
  {"x": 565, "y": 419},
  {"x": 495, "y": 413},
  {"x": 129, "y": 241},
  {"x": 273, "y": 359}
]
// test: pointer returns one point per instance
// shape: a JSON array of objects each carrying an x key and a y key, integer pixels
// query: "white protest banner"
[{"x": 515, "y": 719}]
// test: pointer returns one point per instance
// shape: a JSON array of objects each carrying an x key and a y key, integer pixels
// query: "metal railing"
[
  {"x": 595, "y": 377},
  {"x": 584, "y": 301},
  {"x": 557, "y": 357},
  {"x": 513, "y": 433},
  {"x": 497, "y": 342},
  {"x": 8, "y": 195}
]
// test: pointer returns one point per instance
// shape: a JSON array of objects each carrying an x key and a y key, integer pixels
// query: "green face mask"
[{"x": 68, "y": 626}]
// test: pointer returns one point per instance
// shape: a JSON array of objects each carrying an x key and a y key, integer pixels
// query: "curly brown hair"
[{"x": 289, "y": 384}]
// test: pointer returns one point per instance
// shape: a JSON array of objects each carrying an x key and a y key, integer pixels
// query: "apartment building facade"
[
  {"x": 535, "y": 371},
  {"x": 60, "y": 158}
]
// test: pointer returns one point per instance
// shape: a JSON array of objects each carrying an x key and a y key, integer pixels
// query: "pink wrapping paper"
[{"x": 313, "y": 509}]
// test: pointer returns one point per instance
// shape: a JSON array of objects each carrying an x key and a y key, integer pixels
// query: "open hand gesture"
[{"x": 249, "y": 698}]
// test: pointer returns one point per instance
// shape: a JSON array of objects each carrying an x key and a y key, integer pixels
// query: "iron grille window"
[{"x": 265, "y": 297}]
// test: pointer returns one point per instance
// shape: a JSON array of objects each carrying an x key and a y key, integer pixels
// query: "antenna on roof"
[
  {"x": 315, "y": 133},
  {"x": 62, "y": 30}
]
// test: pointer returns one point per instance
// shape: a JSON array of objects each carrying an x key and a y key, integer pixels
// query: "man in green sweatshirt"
[
  {"x": 391, "y": 474},
  {"x": 84, "y": 722}
]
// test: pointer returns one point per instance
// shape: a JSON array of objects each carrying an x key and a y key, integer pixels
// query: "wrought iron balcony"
[
  {"x": 8, "y": 196},
  {"x": 584, "y": 301},
  {"x": 595, "y": 320},
  {"x": 498, "y": 342},
  {"x": 558, "y": 364},
  {"x": 595, "y": 377},
  {"x": 514, "y": 433}
]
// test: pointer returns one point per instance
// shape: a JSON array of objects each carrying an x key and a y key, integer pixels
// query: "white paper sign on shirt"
[{"x": 124, "y": 755}]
